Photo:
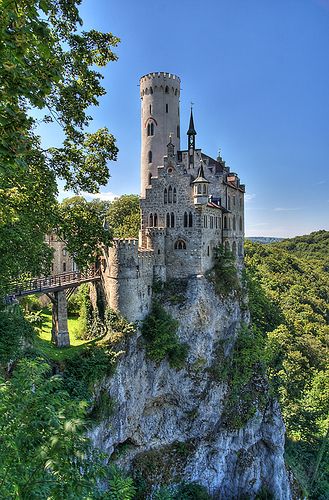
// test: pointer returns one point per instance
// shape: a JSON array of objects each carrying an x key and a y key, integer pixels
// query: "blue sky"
[{"x": 258, "y": 74}]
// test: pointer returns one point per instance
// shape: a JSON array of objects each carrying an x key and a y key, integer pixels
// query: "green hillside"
[{"x": 289, "y": 302}]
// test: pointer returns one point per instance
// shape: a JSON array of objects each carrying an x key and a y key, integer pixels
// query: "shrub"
[
  {"x": 224, "y": 274},
  {"x": 13, "y": 329},
  {"x": 191, "y": 491},
  {"x": 159, "y": 331}
]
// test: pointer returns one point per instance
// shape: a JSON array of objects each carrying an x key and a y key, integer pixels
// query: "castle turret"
[
  {"x": 159, "y": 119},
  {"x": 200, "y": 189}
]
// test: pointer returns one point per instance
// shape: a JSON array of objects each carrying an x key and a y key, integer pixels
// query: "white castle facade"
[{"x": 190, "y": 203}]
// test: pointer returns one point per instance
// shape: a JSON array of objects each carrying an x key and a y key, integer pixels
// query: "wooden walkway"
[{"x": 53, "y": 283}]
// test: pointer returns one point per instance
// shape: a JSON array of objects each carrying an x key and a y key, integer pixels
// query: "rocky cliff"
[{"x": 171, "y": 425}]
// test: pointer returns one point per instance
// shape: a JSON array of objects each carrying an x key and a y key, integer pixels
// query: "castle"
[{"x": 190, "y": 203}]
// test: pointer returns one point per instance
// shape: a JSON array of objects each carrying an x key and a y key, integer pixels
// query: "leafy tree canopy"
[
  {"x": 124, "y": 216},
  {"x": 289, "y": 303},
  {"x": 48, "y": 64},
  {"x": 81, "y": 226}
]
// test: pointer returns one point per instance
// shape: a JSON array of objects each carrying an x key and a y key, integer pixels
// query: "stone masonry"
[{"x": 190, "y": 203}]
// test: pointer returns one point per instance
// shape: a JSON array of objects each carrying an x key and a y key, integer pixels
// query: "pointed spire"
[{"x": 191, "y": 129}]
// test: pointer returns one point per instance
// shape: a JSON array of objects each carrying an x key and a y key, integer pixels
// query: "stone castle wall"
[{"x": 128, "y": 278}]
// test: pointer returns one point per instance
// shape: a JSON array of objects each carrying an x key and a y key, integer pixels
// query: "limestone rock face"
[{"x": 169, "y": 424}]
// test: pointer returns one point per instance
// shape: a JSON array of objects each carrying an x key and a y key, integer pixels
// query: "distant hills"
[{"x": 264, "y": 239}]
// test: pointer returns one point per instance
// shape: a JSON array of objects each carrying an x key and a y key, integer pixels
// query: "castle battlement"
[
  {"x": 159, "y": 74},
  {"x": 124, "y": 242},
  {"x": 145, "y": 253}
]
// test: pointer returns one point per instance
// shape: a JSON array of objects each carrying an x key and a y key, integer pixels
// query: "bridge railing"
[{"x": 40, "y": 284}]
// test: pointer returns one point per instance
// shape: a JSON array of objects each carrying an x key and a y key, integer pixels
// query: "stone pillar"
[{"x": 59, "y": 333}]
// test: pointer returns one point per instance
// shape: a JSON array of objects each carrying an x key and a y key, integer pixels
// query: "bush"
[
  {"x": 30, "y": 303},
  {"x": 191, "y": 491},
  {"x": 81, "y": 372},
  {"x": 224, "y": 274},
  {"x": 13, "y": 329},
  {"x": 159, "y": 331}
]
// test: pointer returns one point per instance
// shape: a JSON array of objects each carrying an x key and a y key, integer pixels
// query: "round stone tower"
[{"x": 159, "y": 119}]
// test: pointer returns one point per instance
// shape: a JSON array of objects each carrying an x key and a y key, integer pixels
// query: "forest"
[{"x": 288, "y": 286}]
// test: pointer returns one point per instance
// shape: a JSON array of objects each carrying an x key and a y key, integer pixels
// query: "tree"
[
  {"x": 44, "y": 450},
  {"x": 81, "y": 226},
  {"x": 47, "y": 64},
  {"x": 124, "y": 216}
]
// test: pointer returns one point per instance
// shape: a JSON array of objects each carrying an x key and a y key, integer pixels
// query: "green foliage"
[
  {"x": 289, "y": 300},
  {"x": 83, "y": 371},
  {"x": 14, "y": 329},
  {"x": 191, "y": 491},
  {"x": 30, "y": 303},
  {"x": 116, "y": 323},
  {"x": 244, "y": 370},
  {"x": 224, "y": 274},
  {"x": 48, "y": 64},
  {"x": 44, "y": 450},
  {"x": 124, "y": 216},
  {"x": 89, "y": 324},
  {"x": 81, "y": 226},
  {"x": 121, "y": 487},
  {"x": 161, "y": 466},
  {"x": 159, "y": 331}
]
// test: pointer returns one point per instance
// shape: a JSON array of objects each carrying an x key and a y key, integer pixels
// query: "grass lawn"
[{"x": 43, "y": 340}]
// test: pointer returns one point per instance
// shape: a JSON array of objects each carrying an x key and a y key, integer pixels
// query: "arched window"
[
  {"x": 172, "y": 219},
  {"x": 151, "y": 90},
  {"x": 155, "y": 222},
  {"x": 150, "y": 177},
  {"x": 165, "y": 196},
  {"x": 168, "y": 220},
  {"x": 147, "y": 91},
  {"x": 234, "y": 248},
  {"x": 205, "y": 189},
  {"x": 234, "y": 223},
  {"x": 229, "y": 222},
  {"x": 176, "y": 92},
  {"x": 185, "y": 219},
  {"x": 240, "y": 249},
  {"x": 208, "y": 250},
  {"x": 170, "y": 194},
  {"x": 227, "y": 246},
  {"x": 167, "y": 89},
  {"x": 199, "y": 189},
  {"x": 180, "y": 245},
  {"x": 241, "y": 224},
  {"x": 64, "y": 267},
  {"x": 190, "y": 219},
  {"x": 152, "y": 128},
  {"x": 150, "y": 156},
  {"x": 174, "y": 196},
  {"x": 167, "y": 108},
  {"x": 225, "y": 222},
  {"x": 229, "y": 202},
  {"x": 151, "y": 220},
  {"x": 150, "y": 109},
  {"x": 148, "y": 129}
]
